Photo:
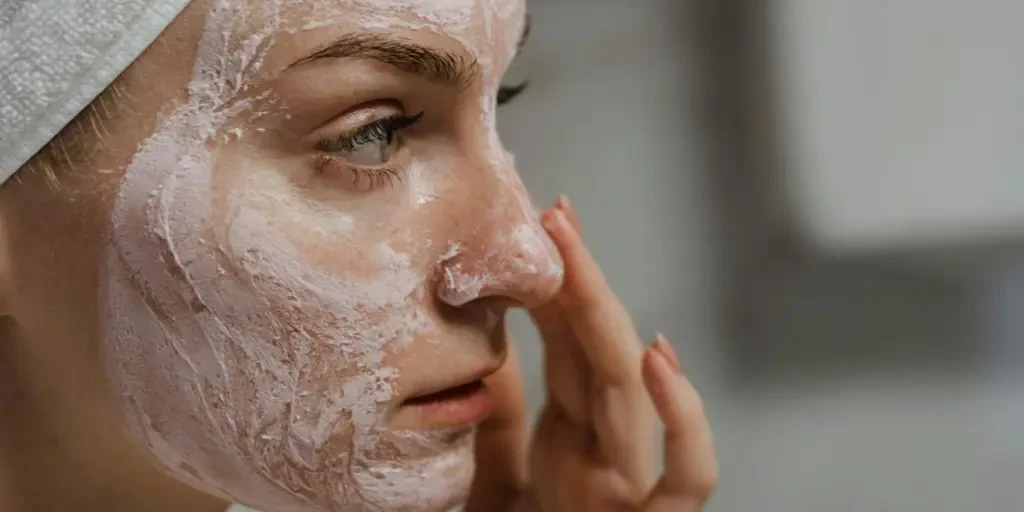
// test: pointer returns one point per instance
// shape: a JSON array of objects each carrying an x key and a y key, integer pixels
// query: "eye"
[
  {"x": 372, "y": 153},
  {"x": 372, "y": 144},
  {"x": 363, "y": 154}
]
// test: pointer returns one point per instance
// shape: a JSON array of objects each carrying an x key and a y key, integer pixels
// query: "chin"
[
  {"x": 404, "y": 471},
  {"x": 423, "y": 483}
]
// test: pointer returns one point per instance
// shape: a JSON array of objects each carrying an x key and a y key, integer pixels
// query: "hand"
[{"x": 593, "y": 447}]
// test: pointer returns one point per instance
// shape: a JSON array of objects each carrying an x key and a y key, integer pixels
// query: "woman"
[{"x": 270, "y": 264}]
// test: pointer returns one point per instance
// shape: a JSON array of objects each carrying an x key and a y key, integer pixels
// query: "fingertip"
[
  {"x": 545, "y": 211},
  {"x": 663, "y": 346},
  {"x": 553, "y": 220},
  {"x": 570, "y": 212},
  {"x": 657, "y": 376},
  {"x": 562, "y": 202},
  {"x": 647, "y": 363},
  {"x": 673, "y": 395},
  {"x": 581, "y": 271},
  {"x": 561, "y": 234}
]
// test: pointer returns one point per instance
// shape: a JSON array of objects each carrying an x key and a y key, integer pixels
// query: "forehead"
[
  {"x": 255, "y": 40},
  {"x": 455, "y": 17},
  {"x": 481, "y": 27}
]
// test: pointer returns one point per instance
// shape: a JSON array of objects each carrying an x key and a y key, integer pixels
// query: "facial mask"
[{"x": 253, "y": 335}]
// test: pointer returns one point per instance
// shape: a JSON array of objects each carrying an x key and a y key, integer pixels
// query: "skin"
[
  {"x": 592, "y": 448},
  {"x": 67, "y": 447}
]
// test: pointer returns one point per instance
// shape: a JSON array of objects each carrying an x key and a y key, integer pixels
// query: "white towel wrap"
[{"x": 56, "y": 56}]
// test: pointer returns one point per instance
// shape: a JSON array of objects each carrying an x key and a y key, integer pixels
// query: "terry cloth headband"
[{"x": 56, "y": 56}]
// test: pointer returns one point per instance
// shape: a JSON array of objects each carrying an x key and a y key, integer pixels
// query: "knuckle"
[
  {"x": 701, "y": 491},
  {"x": 703, "y": 486}
]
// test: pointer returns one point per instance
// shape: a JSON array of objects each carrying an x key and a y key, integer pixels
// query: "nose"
[{"x": 506, "y": 254}]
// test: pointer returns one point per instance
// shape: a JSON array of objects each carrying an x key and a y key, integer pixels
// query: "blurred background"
[{"x": 821, "y": 203}]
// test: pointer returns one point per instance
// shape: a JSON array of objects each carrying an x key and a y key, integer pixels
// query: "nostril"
[{"x": 460, "y": 287}]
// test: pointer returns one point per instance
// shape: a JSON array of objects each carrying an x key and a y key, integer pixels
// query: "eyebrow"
[{"x": 434, "y": 64}]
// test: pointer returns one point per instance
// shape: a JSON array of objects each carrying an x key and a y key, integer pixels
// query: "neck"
[{"x": 57, "y": 457}]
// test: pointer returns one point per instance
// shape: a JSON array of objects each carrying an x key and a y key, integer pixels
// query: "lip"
[{"x": 464, "y": 403}]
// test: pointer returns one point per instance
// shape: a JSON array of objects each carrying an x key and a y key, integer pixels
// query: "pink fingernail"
[
  {"x": 665, "y": 348},
  {"x": 563, "y": 202},
  {"x": 662, "y": 369}
]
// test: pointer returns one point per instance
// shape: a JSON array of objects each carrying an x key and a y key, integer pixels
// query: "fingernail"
[
  {"x": 656, "y": 341},
  {"x": 661, "y": 366},
  {"x": 554, "y": 220},
  {"x": 663, "y": 346},
  {"x": 563, "y": 202}
]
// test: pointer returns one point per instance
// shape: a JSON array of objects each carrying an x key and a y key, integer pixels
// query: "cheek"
[
  {"x": 250, "y": 340},
  {"x": 361, "y": 285}
]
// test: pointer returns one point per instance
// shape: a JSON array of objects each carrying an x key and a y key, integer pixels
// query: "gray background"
[{"x": 870, "y": 383}]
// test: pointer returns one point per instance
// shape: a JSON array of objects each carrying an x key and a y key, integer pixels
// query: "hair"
[{"x": 81, "y": 139}]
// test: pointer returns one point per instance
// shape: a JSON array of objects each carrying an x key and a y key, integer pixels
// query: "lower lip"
[{"x": 464, "y": 405}]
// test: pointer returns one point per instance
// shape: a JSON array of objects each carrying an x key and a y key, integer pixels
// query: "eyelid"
[
  {"x": 357, "y": 117},
  {"x": 393, "y": 125},
  {"x": 335, "y": 166}
]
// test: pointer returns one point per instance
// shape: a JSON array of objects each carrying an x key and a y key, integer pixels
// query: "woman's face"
[{"x": 324, "y": 228}]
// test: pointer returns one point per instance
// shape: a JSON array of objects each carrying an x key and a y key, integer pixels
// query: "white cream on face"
[{"x": 247, "y": 366}]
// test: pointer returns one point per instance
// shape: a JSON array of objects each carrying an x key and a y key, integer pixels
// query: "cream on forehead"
[
  {"x": 459, "y": 19},
  {"x": 236, "y": 326}
]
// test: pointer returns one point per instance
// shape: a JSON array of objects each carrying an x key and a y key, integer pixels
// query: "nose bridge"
[{"x": 507, "y": 253}]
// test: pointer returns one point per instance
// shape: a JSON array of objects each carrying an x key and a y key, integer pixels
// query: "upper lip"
[{"x": 455, "y": 383}]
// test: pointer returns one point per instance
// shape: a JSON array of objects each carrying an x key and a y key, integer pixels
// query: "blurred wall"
[
  {"x": 912, "y": 107},
  {"x": 606, "y": 120},
  {"x": 832, "y": 384}
]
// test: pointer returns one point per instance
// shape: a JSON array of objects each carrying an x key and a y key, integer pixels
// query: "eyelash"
[
  {"x": 507, "y": 93},
  {"x": 376, "y": 131},
  {"x": 382, "y": 130}
]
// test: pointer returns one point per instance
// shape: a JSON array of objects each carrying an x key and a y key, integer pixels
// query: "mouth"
[{"x": 460, "y": 405}]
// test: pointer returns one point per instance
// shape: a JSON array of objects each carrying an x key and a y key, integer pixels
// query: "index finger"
[{"x": 602, "y": 325}]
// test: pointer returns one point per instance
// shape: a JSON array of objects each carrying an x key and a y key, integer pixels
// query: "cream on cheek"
[
  {"x": 247, "y": 369},
  {"x": 250, "y": 371}
]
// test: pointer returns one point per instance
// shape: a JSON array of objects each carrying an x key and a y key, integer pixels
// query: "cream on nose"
[
  {"x": 507, "y": 254},
  {"x": 517, "y": 262}
]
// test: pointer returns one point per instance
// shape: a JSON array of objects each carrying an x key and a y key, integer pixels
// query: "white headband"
[{"x": 56, "y": 56}]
